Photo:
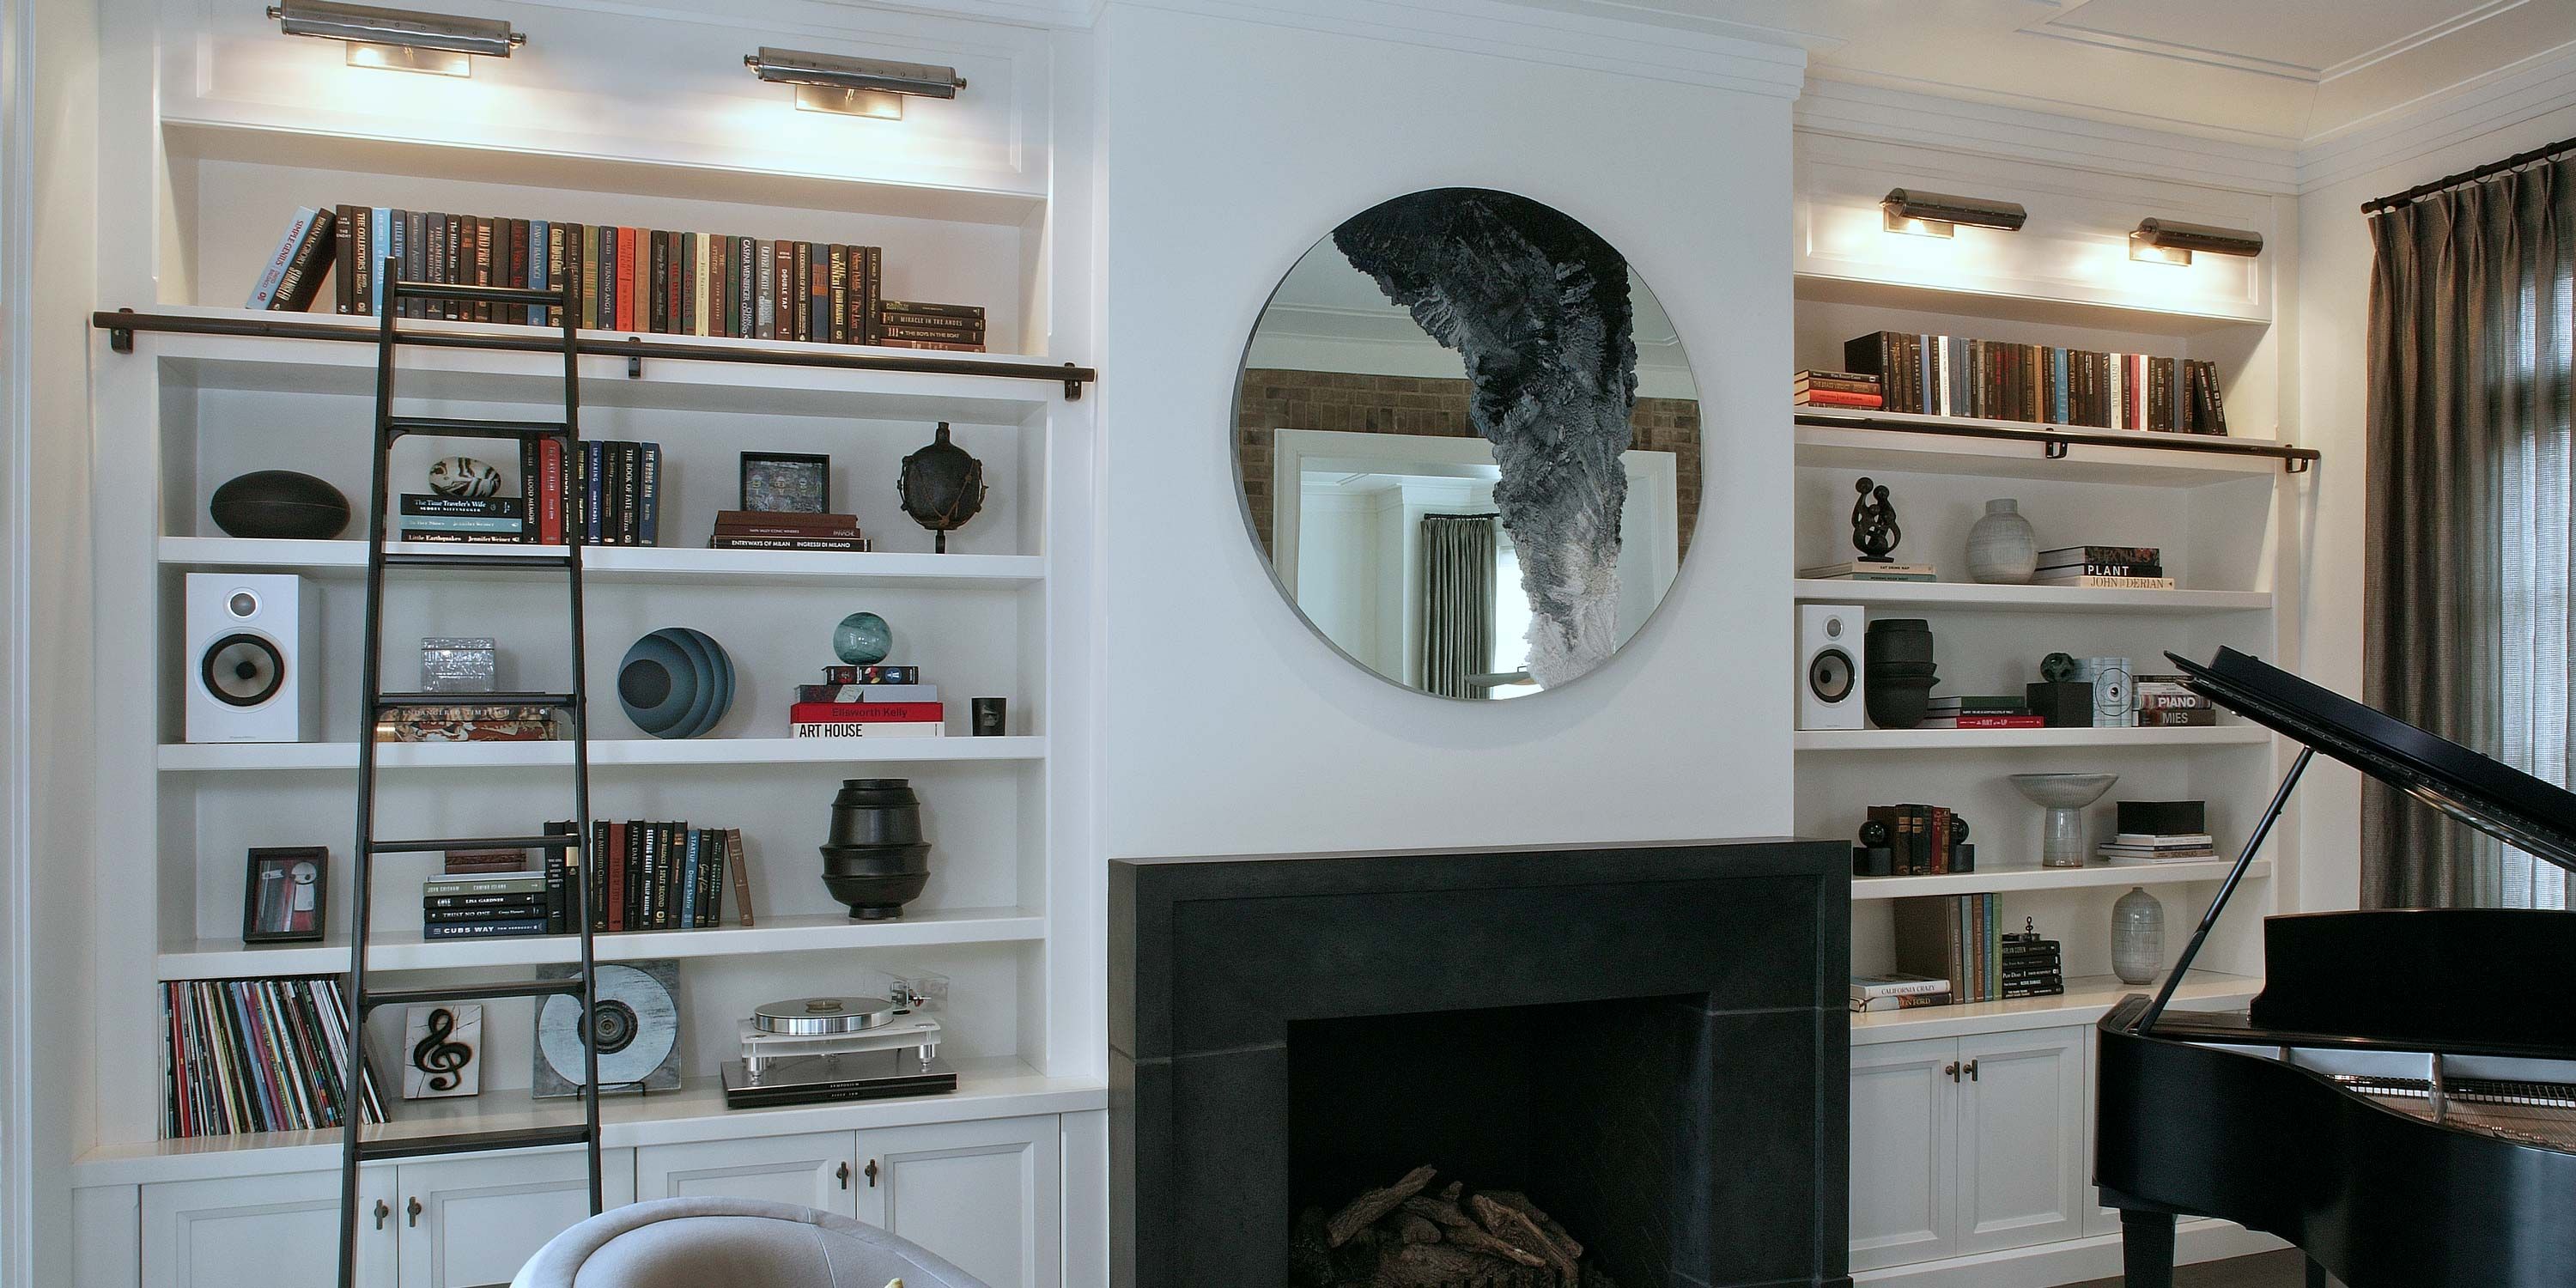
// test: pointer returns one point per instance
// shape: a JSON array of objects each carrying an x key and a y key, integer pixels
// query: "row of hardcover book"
[
  {"x": 1944, "y": 375},
  {"x": 606, "y": 491},
  {"x": 667, "y": 876},
  {"x": 256, "y": 1055},
  {"x": 622, "y": 278},
  {"x": 1923, "y": 837},
  {"x": 1960, "y": 938}
]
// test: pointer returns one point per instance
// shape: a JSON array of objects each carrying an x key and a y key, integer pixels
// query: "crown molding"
[
  {"x": 2501, "y": 99},
  {"x": 1869, "y": 108}
]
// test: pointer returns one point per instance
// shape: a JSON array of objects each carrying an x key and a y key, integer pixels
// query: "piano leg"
[
  {"x": 2317, "y": 1275},
  {"x": 2146, "y": 1248}
]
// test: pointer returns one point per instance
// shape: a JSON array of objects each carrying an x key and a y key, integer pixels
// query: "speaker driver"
[
  {"x": 243, "y": 670},
  {"x": 1829, "y": 675}
]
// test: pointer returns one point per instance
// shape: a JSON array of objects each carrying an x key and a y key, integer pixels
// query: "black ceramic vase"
[
  {"x": 1898, "y": 671},
  {"x": 942, "y": 486},
  {"x": 874, "y": 859}
]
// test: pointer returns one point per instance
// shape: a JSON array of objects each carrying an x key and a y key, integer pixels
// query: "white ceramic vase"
[
  {"x": 2137, "y": 937},
  {"x": 2002, "y": 549}
]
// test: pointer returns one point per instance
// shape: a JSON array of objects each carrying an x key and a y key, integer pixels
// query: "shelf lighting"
[
  {"x": 2170, "y": 241},
  {"x": 401, "y": 40},
  {"x": 1938, "y": 214},
  {"x": 870, "y": 87}
]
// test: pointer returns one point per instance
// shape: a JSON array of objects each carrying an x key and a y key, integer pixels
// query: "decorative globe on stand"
[
  {"x": 942, "y": 486},
  {"x": 862, "y": 639}
]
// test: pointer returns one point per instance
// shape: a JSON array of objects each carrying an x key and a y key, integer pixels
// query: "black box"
[
  {"x": 2064, "y": 703},
  {"x": 1873, "y": 861},
  {"x": 2164, "y": 818}
]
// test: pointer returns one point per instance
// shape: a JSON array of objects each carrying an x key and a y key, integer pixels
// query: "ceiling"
[{"x": 2285, "y": 72}]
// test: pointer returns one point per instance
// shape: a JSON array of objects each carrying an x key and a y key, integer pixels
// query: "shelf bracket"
[
  {"x": 1072, "y": 384},
  {"x": 2295, "y": 464},
  {"x": 120, "y": 339},
  {"x": 2055, "y": 448},
  {"x": 635, "y": 361}
]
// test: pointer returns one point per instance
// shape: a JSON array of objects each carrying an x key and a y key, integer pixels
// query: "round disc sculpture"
[
  {"x": 675, "y": 683},
  {"x": 942, "y": 487}
]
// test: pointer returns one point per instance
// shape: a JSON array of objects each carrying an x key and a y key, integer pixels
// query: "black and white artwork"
[
  {"x": 1467, "y": 440},
  {"x": 442, "y": 1051}
]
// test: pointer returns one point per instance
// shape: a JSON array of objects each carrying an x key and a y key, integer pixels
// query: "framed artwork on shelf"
[
  {"x": 285, "y": 894},
  {"x": 787, "y": 482}
]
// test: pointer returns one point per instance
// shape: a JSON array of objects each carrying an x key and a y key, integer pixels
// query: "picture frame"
[
  {"x": 787, "y": 482},
  {"x": 286, "y": 894}
]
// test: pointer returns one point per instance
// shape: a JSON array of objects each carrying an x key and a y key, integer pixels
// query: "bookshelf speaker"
[
  {"x": 254, "y": 645},
  {"x": 1829, "y": 660}
]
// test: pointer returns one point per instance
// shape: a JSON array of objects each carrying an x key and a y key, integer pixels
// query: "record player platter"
[{"x": 824, "y": 1016}]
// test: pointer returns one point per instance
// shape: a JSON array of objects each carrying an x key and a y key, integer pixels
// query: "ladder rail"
[{"x": 356, "y": 1149}]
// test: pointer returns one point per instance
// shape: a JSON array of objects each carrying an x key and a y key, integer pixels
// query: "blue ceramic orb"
[{"x": 863, "y": 638}]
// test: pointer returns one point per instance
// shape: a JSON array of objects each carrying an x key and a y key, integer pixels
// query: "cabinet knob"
[
  {"x": 870, "y": 1171},
  {"x": 843, "y": 1172},
  {"x": 1971, "y": 1069},
  {"x": 1952, "y": 1070},
  {"x": 411, "y": 1210},
  {"x": 383, "y": 1210}
]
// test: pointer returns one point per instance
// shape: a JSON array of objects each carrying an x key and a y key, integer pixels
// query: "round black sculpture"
[
  {"x": 1875, "y": 531},
  {"x": 280, "y": 505},
  {"x": 875, "y": 859},
  {"x": 942, "y": 486}
]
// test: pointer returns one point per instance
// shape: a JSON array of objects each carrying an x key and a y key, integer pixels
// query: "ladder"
[{"x": 356, "y": 1147}]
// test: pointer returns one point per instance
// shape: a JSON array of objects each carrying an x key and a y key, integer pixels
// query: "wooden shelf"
[
  {"x": 398, "y": 951},
  {"x": 1837, "y": 740},
  {"x": 1972, "y": 596},
  {"x": 641, "y": 565},
  {"x": 2086, "y": 999},
  {"x": 987, "y": 1087},
  {"x": 605, "y": 753},
  {"x": 1829, "y": 438},
  {"x": 2005, "y": 880}
]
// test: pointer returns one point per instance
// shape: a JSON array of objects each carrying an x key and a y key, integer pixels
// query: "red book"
[
  {"x": 1836, "y": 398},
  {"x": 625, "y": 261},
  {"x": 550, "y": 487},
  {"x": 617, "y": 876},
  {"x": 2003, "y": 722},
  {"x": 866, "y": 712}
]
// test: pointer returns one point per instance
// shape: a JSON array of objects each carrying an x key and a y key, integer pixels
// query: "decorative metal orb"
[
  {"x": 942, "y": 486},
  {"x": 863, "y": 639}
]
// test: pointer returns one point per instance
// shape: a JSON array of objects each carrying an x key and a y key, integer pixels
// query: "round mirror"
[{"x": 1467, "y": 443}]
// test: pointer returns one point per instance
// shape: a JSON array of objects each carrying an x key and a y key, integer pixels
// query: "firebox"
[{"x": 1596, "y": 1066}]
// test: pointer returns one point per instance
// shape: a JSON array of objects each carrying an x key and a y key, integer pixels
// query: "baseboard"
[{"x": 2072, "y": 1261}]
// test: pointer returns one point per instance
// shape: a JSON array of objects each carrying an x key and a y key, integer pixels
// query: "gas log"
[{"x": 1400, "y": 1236}]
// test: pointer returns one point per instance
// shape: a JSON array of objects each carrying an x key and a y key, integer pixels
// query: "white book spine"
[
  {"x": 284, "y": 255},
  {"x": 869, "y": 729}
]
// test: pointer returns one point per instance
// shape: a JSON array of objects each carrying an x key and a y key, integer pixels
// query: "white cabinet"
[
  {"x": 476, "y": 1220},
  {"x": 264, "y": 1231},
  {"x": 1966, "y": 1145},
  {"x": 982, "y": 1194},
  {"x": 816, "y": 1170}
]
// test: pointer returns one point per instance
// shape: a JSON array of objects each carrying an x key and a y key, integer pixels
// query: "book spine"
[
  {"x": 740, "y": 868},
  {"x": 302, "y": 281},
  {"x": 649, "y": 489},
  {"x": 689, "y": 882},
  {"x": 765, "y": 300},
  {"x": 288, "y": 243},
  {"x": 867, "y": 729}
]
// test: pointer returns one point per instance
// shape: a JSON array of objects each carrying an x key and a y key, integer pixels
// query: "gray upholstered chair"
[{"x": 731, "y": 1243}]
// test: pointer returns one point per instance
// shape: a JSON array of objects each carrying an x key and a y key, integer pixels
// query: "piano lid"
[{"x": 2487, "y": 794}]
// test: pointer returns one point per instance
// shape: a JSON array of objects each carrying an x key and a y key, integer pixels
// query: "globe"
[{"x": 863, "y": 638}]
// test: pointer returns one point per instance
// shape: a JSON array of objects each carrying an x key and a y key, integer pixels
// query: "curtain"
[
  {"x": 2466, "y": 617},
  {"x": 1457, "y": 603}
]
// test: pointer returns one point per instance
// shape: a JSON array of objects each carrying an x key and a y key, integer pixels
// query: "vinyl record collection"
[{"x": 256, "y": 1055}]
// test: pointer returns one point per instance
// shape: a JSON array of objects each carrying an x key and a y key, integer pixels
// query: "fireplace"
[{"x": 1644, "y": 1044}]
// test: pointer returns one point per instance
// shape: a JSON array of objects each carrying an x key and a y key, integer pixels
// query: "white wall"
[
  {"x": 1228, "y": 148},
  {"x": 2331, "y": 395}
]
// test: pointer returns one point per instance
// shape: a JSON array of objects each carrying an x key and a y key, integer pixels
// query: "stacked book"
[
  {"x": 1965, "y": 712},
  {"x": 494, "y": 905},
  {"x": 2166, "y": 702},
  {"x": 623, "y": 279},
  {"x": 430, "y": 517},
  {"x": 1847, "y": 389},
  {"x": 2160, "y": 847},
  {"x": 1942, "y": 375},
  {"x": 885, "y": 700},
  {"x": 1957, "y": 937},
  {"x": 1866, "y": 570},
  {"x": 2103, "y": 568},
  {"x": 2032, "y": 966},
  {"x": 915, "y": 324},
  {"x": 257, "y": 1055},
  {"x": 467, "y": 722},
  {"x": 785, "y": 530},
  {"x": 1896, "y": 992},
  {"x": 1927, "y": 840},
  {"x": 666, "y": 876}
]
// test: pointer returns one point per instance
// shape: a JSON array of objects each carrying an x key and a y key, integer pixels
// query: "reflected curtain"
[
  {"x": 2466, "y": 622},
  {"x": 1457, "y": 603}
]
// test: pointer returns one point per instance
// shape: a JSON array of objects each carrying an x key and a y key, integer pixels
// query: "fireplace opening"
[{"x": 1454, "y": 1149}]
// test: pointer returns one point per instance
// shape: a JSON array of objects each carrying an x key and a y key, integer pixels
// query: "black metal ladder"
[{"x": 357, "y": 1148}]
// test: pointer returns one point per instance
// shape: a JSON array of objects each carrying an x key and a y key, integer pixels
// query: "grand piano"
[{"x": 2400, "y": 1100}]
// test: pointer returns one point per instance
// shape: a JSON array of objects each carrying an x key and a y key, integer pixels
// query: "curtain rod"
[{"x": 2489, "y": 170}]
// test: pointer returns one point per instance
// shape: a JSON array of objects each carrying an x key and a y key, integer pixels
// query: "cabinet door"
[
  {"x": 2022, "y": 1178},
  {"x": 982, "y": 1194},
  {"x": 819, "y": 1170},
  {"x": 264, "y": 1231},
  {"x": 1904, "y": 1142},
  {"x": 476, "y": 1220}
]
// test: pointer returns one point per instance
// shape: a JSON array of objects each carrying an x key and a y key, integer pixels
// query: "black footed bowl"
[
  {"x": 876, "y": 881},
  {"x": 1896, "y": 646},
  {"x": 1897, "y": 705}
]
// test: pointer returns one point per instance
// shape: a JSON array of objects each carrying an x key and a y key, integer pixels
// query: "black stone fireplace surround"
[{"x": 1652, "y": 1040}]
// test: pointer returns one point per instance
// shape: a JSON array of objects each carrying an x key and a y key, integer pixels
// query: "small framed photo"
[
  {"x": 787, "y": 482},
  {"x": 286, "y": 894}
]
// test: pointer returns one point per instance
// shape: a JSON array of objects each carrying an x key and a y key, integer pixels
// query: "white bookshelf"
[
  {"x": 605, "y": 753},
  {"x": 2061, "y": 739},
  {"x": 1968, "y": 596},
  {"x": 2013, "y": 878},
  {"x": 622, "y": 565},
  {"x": 2087, "y": 998}
]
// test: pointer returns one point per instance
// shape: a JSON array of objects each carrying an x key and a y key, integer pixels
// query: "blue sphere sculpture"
[{"x": 862, "y": 639}]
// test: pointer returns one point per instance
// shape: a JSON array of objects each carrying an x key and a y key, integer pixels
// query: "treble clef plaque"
[{"x": 444, "y": 1042}]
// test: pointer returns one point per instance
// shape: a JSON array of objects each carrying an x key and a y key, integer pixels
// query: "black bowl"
[
  {"x": 876, "y": 880},
  {"x": 1896, "y": 646},
  {"x": 875, "y": 811},
  {"x": 1900, "y": 625},
  {"x": 1897, "y": 706}
]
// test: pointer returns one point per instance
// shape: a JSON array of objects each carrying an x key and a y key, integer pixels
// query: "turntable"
[{"x": 812, "y": 1050}]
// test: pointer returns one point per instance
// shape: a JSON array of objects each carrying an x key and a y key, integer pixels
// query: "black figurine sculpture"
[
  {"x": 1875, "y": 531},
  {"x": 942, "y": 486}
]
